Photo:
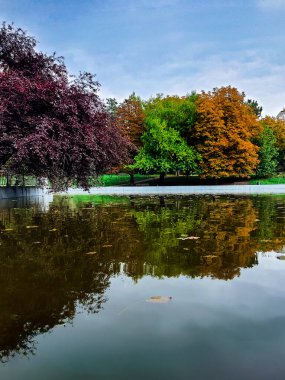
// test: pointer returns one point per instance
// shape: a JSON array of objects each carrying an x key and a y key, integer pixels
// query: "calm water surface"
[{"x": 76, "y": 275}]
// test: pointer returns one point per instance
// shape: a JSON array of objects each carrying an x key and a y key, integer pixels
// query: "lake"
[{"x": 175, "y": 287}]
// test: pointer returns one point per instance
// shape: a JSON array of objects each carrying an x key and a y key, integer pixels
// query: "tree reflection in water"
[{"x": 53, "y": 260}]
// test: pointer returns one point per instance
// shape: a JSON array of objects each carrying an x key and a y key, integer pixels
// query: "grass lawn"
[
  {"x": 268, "y": 181},
  {"x": 121, "y": 179}
]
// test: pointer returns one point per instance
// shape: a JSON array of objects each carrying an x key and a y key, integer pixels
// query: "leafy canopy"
[
  {"x": 130, "y": 119},
  {"x": 268, "y": 153},
  {"x": 255, "y": 107},
  {"x": 179, "y": 113},
  {"x": 224, "y": 133},
  {"x": 278, "y": 128},
  {"x": 51, "y": 125},
  {"x": 164, "y": 150}
]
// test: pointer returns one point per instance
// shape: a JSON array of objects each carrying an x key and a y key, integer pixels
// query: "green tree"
[
  {"x": 178, "y": 112},
  {"x": 268, "y": 153},
  {"x": 164, "y": 150},
  {"x": 112, "y": 106},
  {"x": 278, "y": 128},
  {"x": 255, "y": 107}
]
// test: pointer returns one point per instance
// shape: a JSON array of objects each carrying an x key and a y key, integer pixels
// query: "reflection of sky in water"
[
  {"x": 219, "y": 329},
  {"x": 211, "y": 329}
]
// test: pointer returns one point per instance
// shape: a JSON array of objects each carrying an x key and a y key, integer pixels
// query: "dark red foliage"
[{"x": 52, "y": 125}]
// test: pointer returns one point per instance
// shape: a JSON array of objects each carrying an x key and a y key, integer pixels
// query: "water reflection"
[{"x": 54, "y": 258}]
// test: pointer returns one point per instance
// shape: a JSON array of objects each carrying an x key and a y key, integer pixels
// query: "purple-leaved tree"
[{"x": 51, "y": 124}]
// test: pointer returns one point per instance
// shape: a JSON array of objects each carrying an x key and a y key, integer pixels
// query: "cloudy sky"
[{"x": 164, "y": 46}]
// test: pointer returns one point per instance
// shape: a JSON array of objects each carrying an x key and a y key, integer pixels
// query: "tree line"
[
  {"x": 215, "y": 134},
  {"x": 54, "y": 125}
]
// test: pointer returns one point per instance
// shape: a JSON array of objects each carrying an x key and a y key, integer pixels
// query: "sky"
[{"x": 164, "y": 46}]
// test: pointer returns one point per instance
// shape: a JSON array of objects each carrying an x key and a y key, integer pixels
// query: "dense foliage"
[
  {"x": 164, "y": 150},
  {"x": 168, "y": 122},
  {"x": 51, "y": 125},
  {"x": 224, "y": 133},
  {"x": 179, "y": 113},
  {"x": 268, "y": 153},
  {"x": 129, "y": 117},
  {"x": 130, "y": 120},
  {"x": 255, "y": 107},
  {"x": 278, "y": 128}
]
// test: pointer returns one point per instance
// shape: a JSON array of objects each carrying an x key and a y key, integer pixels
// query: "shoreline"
[{"x": 178, "y": 190}]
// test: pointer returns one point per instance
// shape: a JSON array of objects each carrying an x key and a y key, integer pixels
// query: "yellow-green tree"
[
  {"x": 278, "y": 128},
  {"x": 177, "y": 112}
]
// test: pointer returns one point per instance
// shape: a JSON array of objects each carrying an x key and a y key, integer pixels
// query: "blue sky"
[{"x": 164, "y": 46}]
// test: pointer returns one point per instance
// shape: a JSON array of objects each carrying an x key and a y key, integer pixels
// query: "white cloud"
[
  {"x": 256, "y": 75},
  {"x": 271, "y": 4}
]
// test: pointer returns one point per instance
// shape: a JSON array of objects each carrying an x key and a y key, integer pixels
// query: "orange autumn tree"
[
  {"x": 224, "y": 132},
  {"x": 129, "y": 118}
]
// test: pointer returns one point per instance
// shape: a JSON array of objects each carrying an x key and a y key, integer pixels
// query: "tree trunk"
[
  {"x": 8, "y": 178},
  {"x": 162, "y": 201},
  {"x": 132, "y": 179},
  {"x": 161, "y": 178}
]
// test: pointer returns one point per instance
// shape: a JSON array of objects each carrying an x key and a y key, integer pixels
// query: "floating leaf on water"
[
  {"x": 52, "y": 230},
  {"x": 37, "y": 242},
  {"x": 91, "y": 253},
  {"x": 281, "y": 257},
  {"x": 189, "y": 238},
  {"x": 210, "y": 256},
  {"x": 257, "y": 220},
  {"x": 265, "y": 241},
  {"x": 107, "y": 246},
  {"x": 186, "y": 249},
  {"x": 159, "y": 299},
  {"x": 8, "y": 229},
  {"x": 32, "y": 226}
]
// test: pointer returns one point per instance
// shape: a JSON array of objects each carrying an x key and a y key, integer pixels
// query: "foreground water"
[{"x": 77, "y": 276}]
